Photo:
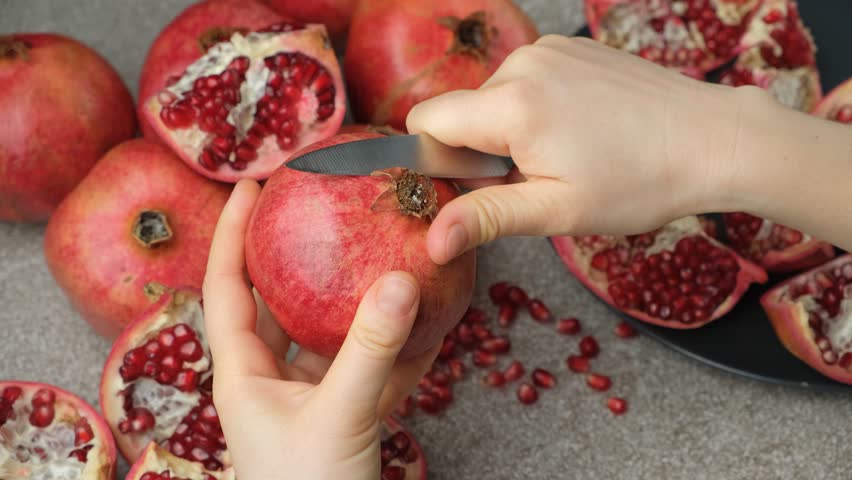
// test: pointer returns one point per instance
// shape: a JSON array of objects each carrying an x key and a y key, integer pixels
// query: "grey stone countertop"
[{"x": 686, "y": 420}]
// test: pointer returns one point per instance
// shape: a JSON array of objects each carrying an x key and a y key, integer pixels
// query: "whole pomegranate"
[
  {"x": 235, "y": 89},
  {"x": 156, "y": 396},
  {"x": 837, "y": 105},
  {"x": 401, "y": 53},
  {"x": 63, "y": 107},
  {"x": 48, "y": 433},
  {"x": 811, "y": 316},
  {"x": 316, "y": 243},
  {"x": 334, "y": 14},
  {"x": 140, "y": 216}
]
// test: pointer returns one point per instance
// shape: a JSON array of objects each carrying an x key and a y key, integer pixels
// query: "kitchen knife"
[{"x": 420, "y": 153}]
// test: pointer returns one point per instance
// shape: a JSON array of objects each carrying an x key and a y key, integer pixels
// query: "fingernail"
[
  {"x": 396, "y": 296},
  {"x": 456, "y": 240}
]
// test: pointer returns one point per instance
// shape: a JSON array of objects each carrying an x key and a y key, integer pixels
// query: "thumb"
[
  {"x": 381, "y": 327},
  {"x": 478, "y": 217}
]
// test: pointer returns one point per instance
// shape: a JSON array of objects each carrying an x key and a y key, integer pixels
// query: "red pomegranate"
[
  {"x": 63, "y": 107},
  {"x": 48, "y": 433},
  {"x": 837, "y": 105},
  {"x": 675, "y": 277},
  {"x": 779, "y": 56},
  {"x": 235, "y": 89},
  {"x": 316, "y": 243},
  {"x": 334, "y": 14},
  {"x": 401, "y": 53},
  {"x": 364, "y": 128},
  {"x": 694, "y": 36},
  {"x": 140, "y": 216},
  {"x": 811, "y": 316},
  {"x": 156, "y": 396}
]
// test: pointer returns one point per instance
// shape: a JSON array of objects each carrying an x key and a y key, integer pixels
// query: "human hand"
[
  {"x": 605, "y": 143},
  {"x": 312, "y": 418}
]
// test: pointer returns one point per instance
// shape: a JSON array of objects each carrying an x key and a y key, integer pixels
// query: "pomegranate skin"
[
  {"x": 334, "y": 14},
  {"x": 90, "y": 244},
  {"x": 401, "y": 53},
  {"x": 838, "y": 98},
  {"x": 315, "y": 245},
  {"x": 64, "y": 107},
  {"x": 178, "y": 45}
]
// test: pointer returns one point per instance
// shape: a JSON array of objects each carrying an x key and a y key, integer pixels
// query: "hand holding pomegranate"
[{"x": 313, "y": 417}]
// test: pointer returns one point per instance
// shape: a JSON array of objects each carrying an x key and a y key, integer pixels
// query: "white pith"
[
  {"x": 838, "y": 330},
  {"x": 157, "y": 459},
  {"x": 758, "y": 32},
  {"x": 18, "y": 439}
]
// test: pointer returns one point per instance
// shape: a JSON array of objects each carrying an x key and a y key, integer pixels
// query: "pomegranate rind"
[
  {"x": 334, "y": 14},
  {"x": 798, "y": 257},
  {"x": 789, "y": 319},
  {"x": 840, "y": 95},
  {"x": 749, "y": 273},
  {"x": 311, "y": 41},
  {"x": 155, "y": 458},
  {"x": 102, "y": 468}
]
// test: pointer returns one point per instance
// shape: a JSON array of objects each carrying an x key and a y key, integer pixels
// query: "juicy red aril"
[
  {"x": 617, "y": 405},
  {"x": 425, "y": 384},
  {"x": 598, "y": 382},
  {"x": 10, "y": 394},
  {"x": 539, "y": 311},
  {"x": 428, "y": 403},
  {"x": 578, "y": 363},
  {"x": 494, "y": 379},
  {"x": 499, "y": 292},
  {"x": 543, "y": 379},
  {"x": 624, "y": 330},
  {"x": 481, "y": 333},
  {"x": 719, "y": 38},
  {"x": 199, "y": 436},
  {"x": 138, "y": 419},
  {"x": 568, "y": 326},
  {"x": 787, "y": 31},
  {"x": 440, "y": 378},
  {"x": 506, "y": 314},
  {"x": 464, "y": 334},
  {"x": 742, "y": 229},
  {"x": 482, "y": 358},
  {"x": 474, "y": 316},
  {"x": 443, "y": 394},
  {"x": 527, "y": 394},
  {"x": 393, "y": 472},
  {"x": 514, "y": 371},
  {"x": 162, "y": 358},
  {"x": 81, "y": 454},
  {"x": 496, "y": 345},
  {"x": 517, "y": 296},
  {"x": 456, "y": 367},
  {"x": 448, "y": 348},
  {"x": 589, "y": 347},
  {"x": 43, "y": 408},
  {"x": 843, "y": 114},
  {"x": 83, "y": 432}
]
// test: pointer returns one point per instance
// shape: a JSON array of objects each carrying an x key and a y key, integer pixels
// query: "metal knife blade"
[{"x": 420, "y": 153}]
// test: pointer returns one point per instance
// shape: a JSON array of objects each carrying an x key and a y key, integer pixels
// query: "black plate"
[{"x": 743, "y": 342}]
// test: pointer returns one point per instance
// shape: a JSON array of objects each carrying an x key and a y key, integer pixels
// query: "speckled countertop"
[{"x": 686, "y": 420}]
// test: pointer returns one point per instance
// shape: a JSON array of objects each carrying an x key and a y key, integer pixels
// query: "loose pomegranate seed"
[
  {"x": 506, "y": 315},
  {"x": 514, "y": 371},
  {"x": 568, "y": 326},
  {"x": 578, "y": 363},
  {"x": 624, "y": 330},
  {"x": 598, "y": 382},
  {"x": 616, "y": 405},
  {"x": 443, "y": 394},
  {"x": 393, "y": 472},
  {"x": 428, "y": 403},
  {"x": 517, "y": 296},
  {"x": 456, "y": 367},
  {"x": 527, "y": 394},
  {"x": 496, "y": 345},
  {"x": 482, "y": 333},
  {"x": 539, "y": 311},
  {"x": 494, "y": 379},
  {"x": 589, "y": 347},
  {"x": 543, "y": 378},
  {"x": 475, "y": 315},
  {"x": 464, "y": 335},
  {"x": 425, "y": 384},
  {"x": 400, "y": 441},
  {"x": 448, "y": 348},
  {"x": 481, "y": 358},
  {"x": 499, "y": 292},
  {"x": 440, "y": 378}
]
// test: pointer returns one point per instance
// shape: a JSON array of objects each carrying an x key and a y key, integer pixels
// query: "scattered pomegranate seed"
[
  {"x": 616, "y": 405},
  {"x": 543, "y": 378},
  {"x": 527, "y": 394},
  {"x": 464, "y": 334},
  {"x": 514, "y": 371},
  {"x": 482, "y": 333},
  {"x": 518, "y": 296},
  {"x": 448, "y": 348},
  {"x": 589, "y": 347},
  {"x": 578, "y": 363},
  {"x": 481, "y": 358},
  {"x": 443, "y": 394},
  {"x": 598, "y": 382},
  {"x": 456, "y": 367},
  {"x": 494, "y": 379},
  {"x": 475, "y": 315},
  {"x": 440, "y": 378},
  {"x": 506, "y": 315},
  {"x": 496, "y": 345},
  {"x": 625, "y": 330},
  {"x": 568, "y": 326},
  {"x": 425, "y": 384},
  {"x": 539, "y": 311},
  {"x": 393, "y": 472},
  {"x": 428, "y": 403},
  {"x": 499, "y": 292}
]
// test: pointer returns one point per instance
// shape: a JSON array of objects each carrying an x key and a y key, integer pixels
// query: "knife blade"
[{"x": 420, "y": 153}]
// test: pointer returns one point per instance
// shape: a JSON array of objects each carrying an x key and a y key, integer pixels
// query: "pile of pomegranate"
[{"x": 233, "y": 89}]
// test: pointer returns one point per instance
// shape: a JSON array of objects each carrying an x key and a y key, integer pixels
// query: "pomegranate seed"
[
  {"x": 400, "y": 441},
  {"x": 464, "y": 334},
  {"x": 589, "y": 347},
  {"x": 625, "y": 330},
  {"x": 514, "y": 371},
  {"x": 506, "y": 314},
  {"x": 10, "y": 394},
  {"x": 443, "y": 394},
  {"x": 387, "y": 452},
  {"x": 578, "y": 363},
  {"x": 42, "y": 416},
  {"x": 517, "y": 296},
  {"x": 428, "y": 403},
  {"x": 482, "y": 359},
  {"x": 83, "y": 432},
  {"x": 44, "y": 398},
  {"x": 616, "y": 405},
  {"x": 456, "y": 367},
  {"x": 425, "y": 384},
  {"x": 539, "y": 311},
  {"x": 543, "y": 379},
  {"x": 494, "y": 379},
  {"x": 393, "y": 472},
  {"x": 482, "y": 333},
  {"x": 499, "y": 292},
  {"x": 527, "y": 394},
  {"x": 568, "y": 326},
  {"x": 440, "y": 378},
  {"x": 447, "y": 348},
  {"x": 405, "y": 407},
  {"x": 598, "y": 382},
  {"x": 496, "y": 345},
  {"x": 475, "y": 315}
]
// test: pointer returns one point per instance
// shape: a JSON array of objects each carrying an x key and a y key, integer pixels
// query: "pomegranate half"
[
  {"x": 48, "y": 433},
  {"x": 157, "y": 463},
  {"x": 837, "y": 105},
  {"x": 812, "y": 316},
  {"x": 401, "y": 53},
  {"x": 675, "y": 277},
  {"x": 316, "y": 243},
  {"x": 140, "y": 216},
  {"x": 63, "y": 107}
]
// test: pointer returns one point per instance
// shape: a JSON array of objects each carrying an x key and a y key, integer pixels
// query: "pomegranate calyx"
[
  {"x": 415, "y": 194},
  {"x": 152, "y": 228},
  {"x": 215, "y": 35},
  {"x": 12, "y": 48},
  {"x": 472, "y": 34}
]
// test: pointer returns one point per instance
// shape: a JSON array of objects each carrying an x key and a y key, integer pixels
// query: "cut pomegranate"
[
  {"x": 543, "y": 378},
  {"x": 251, "y": 101},
  {"x": 694, "y": 36},
  {"x": 775, "y": 247},
  {"x": 527, "y": 394},
  {"x": 812, "y": 316},
  {"x": 48, "y": 433},
  {"x": 837, "y": 105},
  {"x": 624, "y": 330},
  {"x": 589, "y": 347},
  {"x": 675, "y": 277},
  {"x": 598, "y": 382},
  {"x": 568, "y": 326},
  {"x": 778, "y": 56},
  {"x": 616, "y": 405},
  {"x": 578, "y": 363},
  {"x": 539, "y": 311},
  {"x": 514, "y": 371},
  {"x": 157, "y": 463}
]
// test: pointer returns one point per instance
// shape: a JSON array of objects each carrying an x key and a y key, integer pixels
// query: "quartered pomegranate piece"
[
  {"x": 812, "y": 316},
  {"x": 676, "y": 276},
  {"x": 778, "y": 56},
  {"x": 48, "y": 433},
  {"x": 694, "y": 36},
  {"x": 157, "y": 463},
  {"x": 837, "y": 105}
]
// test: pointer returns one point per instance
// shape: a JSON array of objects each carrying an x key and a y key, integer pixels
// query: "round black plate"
[{"x": 743, "y": 342}]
